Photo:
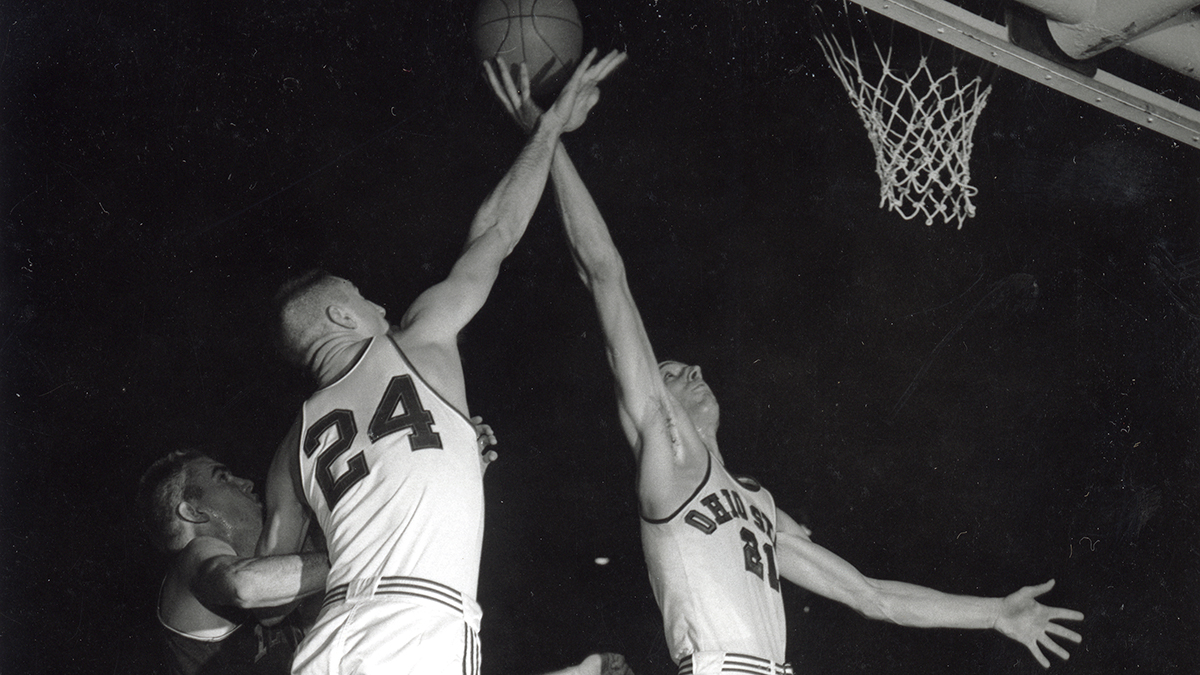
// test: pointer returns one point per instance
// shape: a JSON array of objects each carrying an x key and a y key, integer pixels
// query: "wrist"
[
  {"x": 548, "y": 126},
  {"x": 996, "y": 610}
]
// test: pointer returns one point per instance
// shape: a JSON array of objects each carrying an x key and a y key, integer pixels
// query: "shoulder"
[
  {"x": 435, "y": 361},
  {"x": 420, "y": 353},
  {"x": 182, "y": 611},
  {"x": 177, "y": 600},
  {"x": 197, "y": 552},
  {"x": 407, "y": 338},
  {"x": 748, "y": 482},
  {"x": 664, "y": 493}
]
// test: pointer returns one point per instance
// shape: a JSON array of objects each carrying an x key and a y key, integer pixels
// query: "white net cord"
[{"x": 921, "y": 128}]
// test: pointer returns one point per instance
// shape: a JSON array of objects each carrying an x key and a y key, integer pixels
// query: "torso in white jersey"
[
  {"x": 713, "y": 571},
  {"x": 393, "y": 473}
]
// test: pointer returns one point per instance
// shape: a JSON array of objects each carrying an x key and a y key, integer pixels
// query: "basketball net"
[{"x": 920, "y": 125}]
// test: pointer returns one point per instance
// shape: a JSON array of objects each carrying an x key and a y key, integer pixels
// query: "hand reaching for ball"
[{"x": 574, "y": 102}]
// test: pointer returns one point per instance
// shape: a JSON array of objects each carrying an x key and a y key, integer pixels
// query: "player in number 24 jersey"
[{"x": 384, "y": 453}]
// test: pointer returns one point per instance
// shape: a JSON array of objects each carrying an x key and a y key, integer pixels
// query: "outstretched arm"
[
  {"x": 671, "y": 458},
  {"x": 1018, "y": 616},
  {"x": 440, "y": 313}
]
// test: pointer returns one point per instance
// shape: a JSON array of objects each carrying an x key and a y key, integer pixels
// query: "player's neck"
[
  {"x": 245, "y": 543},
  {"x": 707, "y": 432},
  {"x": 710, "y": 442},
  {"x": 335, "y": 356}
]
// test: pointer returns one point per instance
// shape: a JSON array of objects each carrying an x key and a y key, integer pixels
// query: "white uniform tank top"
[
  {"x": 393, "y": 473},
  {"x": 713, "y": 571}
]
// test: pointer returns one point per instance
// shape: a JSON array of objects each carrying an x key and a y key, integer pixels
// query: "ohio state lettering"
[{"x": 758, "y": 560}]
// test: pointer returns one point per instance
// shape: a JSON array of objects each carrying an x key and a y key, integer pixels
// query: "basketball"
[{"x": 545, "y": 35}]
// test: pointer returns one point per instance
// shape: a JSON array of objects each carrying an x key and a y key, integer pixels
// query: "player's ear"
[
  {"x": 341, "y": 316},
  {"x": 190, "y": 513}
]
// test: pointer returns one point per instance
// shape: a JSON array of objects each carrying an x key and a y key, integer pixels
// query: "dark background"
[{"x": 167, "y": 164}]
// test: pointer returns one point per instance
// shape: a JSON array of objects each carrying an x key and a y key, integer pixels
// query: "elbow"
[
  {"x": 880, "y": 605},
  {"x": 872, "y": 604},
  {"x": 604, "y": 270},
  {"x": 494, "y": 230},
  {"x": 507, "y": 235},
  {"x": 240, "y": 596},
  {"x": 241, "y": 591},
  {"x": 874, "y": 613}
]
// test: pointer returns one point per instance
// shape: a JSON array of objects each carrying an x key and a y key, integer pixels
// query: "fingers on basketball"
[{"x": 497, "y": 86}]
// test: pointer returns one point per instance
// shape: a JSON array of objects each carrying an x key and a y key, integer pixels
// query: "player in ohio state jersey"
[
  {"x": 715, "y": 544},
  {"x": 384, "y": 454}
]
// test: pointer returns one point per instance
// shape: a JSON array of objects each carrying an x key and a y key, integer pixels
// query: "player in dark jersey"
[
  {"x": 715, "y": 545},
  {"x": 209, "y": 521},
  {"x": 383, "y": 456}
]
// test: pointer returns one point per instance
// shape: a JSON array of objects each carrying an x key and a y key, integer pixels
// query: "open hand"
[
  {"x": 574, "y": 102},
  {"x": 1029, "y": 622},
  {"x": 515, "y": 99}
]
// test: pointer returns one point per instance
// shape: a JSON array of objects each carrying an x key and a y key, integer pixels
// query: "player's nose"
[{"x": 694, "y": 373}]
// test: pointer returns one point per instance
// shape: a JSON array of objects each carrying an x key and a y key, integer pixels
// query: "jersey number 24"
[{"x": 400, "y": 409}]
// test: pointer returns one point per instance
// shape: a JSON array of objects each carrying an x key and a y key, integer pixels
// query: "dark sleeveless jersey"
[{"x": 251, "y": 649}]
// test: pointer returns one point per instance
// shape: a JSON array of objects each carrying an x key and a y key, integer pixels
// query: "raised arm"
[
  {"x": 671, "y": 457},
  {"x": 645, "y": 406},
  {"x": 287, "y": 517},
  {"x": 440, "y": 313},
  {"x": 1017, "y": 616},
  {"x": 284, "y": 532}
]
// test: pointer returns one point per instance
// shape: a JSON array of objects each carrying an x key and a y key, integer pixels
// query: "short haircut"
[
  {"x": 161, "y": 489},
  {"x": 300, "y": 307}
]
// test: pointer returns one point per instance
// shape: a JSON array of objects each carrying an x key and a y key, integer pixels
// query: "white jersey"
[
  {"x": 712, "y": 568},
  {"x": 393, "y": 473}
]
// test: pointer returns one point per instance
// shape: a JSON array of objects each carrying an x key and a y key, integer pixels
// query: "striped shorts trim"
[
  {"x": 414, "y": 587},
  {"x": 741, "y": 664},
  {"x": 372, "y": 629},
  {"x": 472, "y": 658}
]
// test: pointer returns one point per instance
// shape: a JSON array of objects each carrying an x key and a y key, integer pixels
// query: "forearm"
[
  {"x": 591, "y": 244},
  {"x": 270, "y": 581},
  {"x": 821, "y": 571},
  {"x": 911, "y": 605},
  {"x": 508, "y": 208}
]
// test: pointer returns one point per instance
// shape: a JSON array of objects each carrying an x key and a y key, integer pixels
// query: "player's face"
[
  {"x": 371, "y": 317},
  {"x": 227, "y": 499},
  {"x": 687, "y": 385}
]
